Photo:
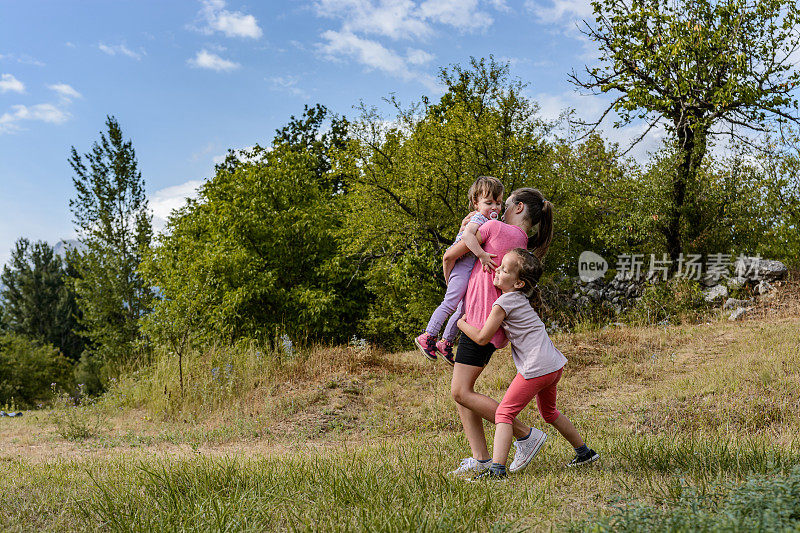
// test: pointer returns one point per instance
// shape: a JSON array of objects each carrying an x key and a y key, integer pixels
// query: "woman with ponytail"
[{"x": 526, "y": 213}]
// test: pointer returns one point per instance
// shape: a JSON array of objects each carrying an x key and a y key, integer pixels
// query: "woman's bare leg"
[
  {"x": 474, "y": 406},
  {"x": 473, "y": 429}
]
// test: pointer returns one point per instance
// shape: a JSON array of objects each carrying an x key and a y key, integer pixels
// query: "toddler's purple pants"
[{"x": 453, "y": 304}]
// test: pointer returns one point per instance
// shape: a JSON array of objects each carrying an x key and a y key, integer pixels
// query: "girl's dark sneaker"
[
  {"x": 447, "y": 352},
  {"x": 427, "y": 345},
  {"x": 490, "y": 475},
  {"x": 445, "y": 348},
  {"x": 579, "y": 460}
]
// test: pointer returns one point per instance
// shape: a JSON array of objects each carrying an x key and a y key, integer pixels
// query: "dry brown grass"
[
  {"x": 662, "y": 404},
  {"x": 720, "y": 377}
]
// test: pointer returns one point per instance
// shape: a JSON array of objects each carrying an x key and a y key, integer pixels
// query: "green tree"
[
  {"x": 114, "y": 224},
  {"x": 699, "y": 68},
  {"x": 779, "y": 162},
  {"x": 256, "y": 255},
  {"x": 598, "y": 200},
  {"x": 38, "y": 303},
  {"x": 28, "y": 368},
  {"x": 727, "y": 201},
  {"x": 409, "y": 178}
]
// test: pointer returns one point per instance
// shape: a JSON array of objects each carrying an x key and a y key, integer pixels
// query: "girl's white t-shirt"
[{"x": 533, "y": 352}]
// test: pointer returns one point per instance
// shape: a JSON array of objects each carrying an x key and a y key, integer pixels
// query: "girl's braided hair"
[{"x": 529, "y": 270}]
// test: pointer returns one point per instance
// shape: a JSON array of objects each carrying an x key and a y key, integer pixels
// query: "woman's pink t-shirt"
[{"x": 498, "y": 238}]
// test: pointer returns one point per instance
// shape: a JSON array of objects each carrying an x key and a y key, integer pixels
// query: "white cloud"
[
  {"x": 165, "y": 200},
  {"x": 552, "y": 11},
  {"x": 371, "y": 54},
  {"x": 418, "y": 57},
  {"x": 65, "y": 91},
  {"x": 202, "y": 152},
  {"x": 8, "y": 83},
  {"x": 40, "y": 112},
  {"x": 288, "y": 84},
  {"x": 121, "y": 49},
  {"x": 500, "y": 5},
  {"x": 205, "y": 59},
  {"x": 241, "y": 154},
  {"x": 396, "y": 19},
  {"x": 47, "y": 112},
  {"x": 590, "y": 108},
  {"x": 461, "y": 14},
  {"x": 405, "y": 19},
  {"x": 552, "y": 105},
  {"x": 231, "y": 23},
  {"x": 23, "y": 59},
  {"x": 28, "y": 60}
]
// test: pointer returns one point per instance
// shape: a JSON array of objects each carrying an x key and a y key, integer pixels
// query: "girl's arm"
[
  {"x": 484, "y": 335},
  {"x": 470, "y": 238}
]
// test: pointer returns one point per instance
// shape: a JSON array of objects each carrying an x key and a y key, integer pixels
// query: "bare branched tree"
[{"x": 698, "y": 68}]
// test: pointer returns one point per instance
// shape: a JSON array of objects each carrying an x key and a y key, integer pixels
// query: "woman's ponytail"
[
  {"x": 540, "y": 212},
  {"x": 545, "y": 235}
]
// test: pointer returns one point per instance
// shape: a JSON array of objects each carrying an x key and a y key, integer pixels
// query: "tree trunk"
[
  {"x": 180, "y": 371},
  {"x": 691, "y": 145}
]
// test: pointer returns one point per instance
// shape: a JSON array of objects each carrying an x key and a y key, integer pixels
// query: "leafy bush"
[
  {"x": 76, "y": 418},
  {"x": 675, "y": 301},
  {"x": 760, "y": 504},
  {"x": 27, "y": 369}
]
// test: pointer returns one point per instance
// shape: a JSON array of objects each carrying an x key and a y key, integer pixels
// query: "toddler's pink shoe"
[
  {"x": 427, "y": 345},
  {"x": 445, "y": 349}
]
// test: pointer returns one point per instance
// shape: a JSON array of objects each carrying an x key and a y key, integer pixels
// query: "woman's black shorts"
[{"x": 473, "y": 354}]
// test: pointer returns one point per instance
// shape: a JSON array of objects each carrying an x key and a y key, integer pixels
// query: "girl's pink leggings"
[{"x": 521, "y": 392}]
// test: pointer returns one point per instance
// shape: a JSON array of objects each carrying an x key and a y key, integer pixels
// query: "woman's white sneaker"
[
  {"x": 527, "y": 450},
  {"x": 470, "y": 465}
]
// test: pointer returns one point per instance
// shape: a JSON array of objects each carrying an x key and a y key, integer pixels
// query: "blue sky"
[{"x": 189, "y": 79}]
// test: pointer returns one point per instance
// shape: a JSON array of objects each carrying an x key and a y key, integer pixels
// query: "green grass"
[
  {"x": 695, "y": 424},
  {"x": 397, "y": 485},
  {"x": 763, "y": 503}
]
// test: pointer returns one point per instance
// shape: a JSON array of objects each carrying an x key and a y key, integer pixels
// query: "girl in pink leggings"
[{"x": 539, "y": 363}]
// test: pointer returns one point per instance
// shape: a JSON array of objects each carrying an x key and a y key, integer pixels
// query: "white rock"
[
  {"x": 763, "y": 287},
  {"x": 737, "y": 314},
  {"x": 733, "y": 303},
  {"x": 717, "y": 292}
]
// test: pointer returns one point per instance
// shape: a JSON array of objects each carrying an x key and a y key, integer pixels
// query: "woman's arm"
[
  {"x": 484, "y": 335},
  {"x": 454, "y": 252}
]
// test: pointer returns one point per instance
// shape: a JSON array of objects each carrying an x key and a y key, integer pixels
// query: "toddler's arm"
[
  {"x": 466, "y": 221},
  {"x": 470, "y": 238},
  {"x": 484, "y": 335}
]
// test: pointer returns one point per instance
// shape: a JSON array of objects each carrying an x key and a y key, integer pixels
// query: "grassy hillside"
[{"x": 687, "y": 419}]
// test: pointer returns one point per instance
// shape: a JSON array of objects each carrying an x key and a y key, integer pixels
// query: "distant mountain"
[{"x": 63, "y": 245}]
